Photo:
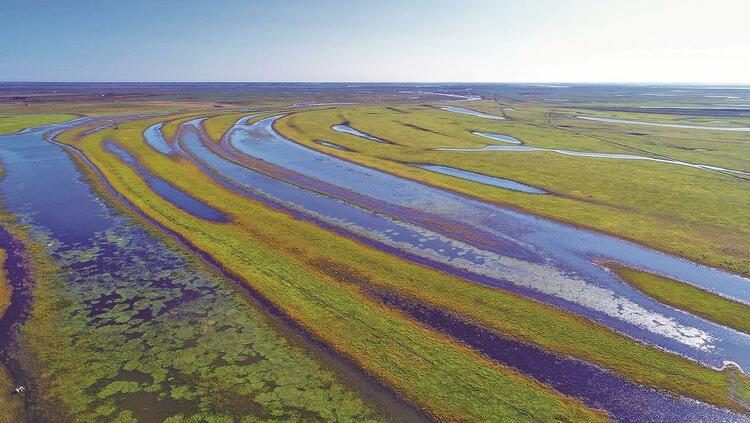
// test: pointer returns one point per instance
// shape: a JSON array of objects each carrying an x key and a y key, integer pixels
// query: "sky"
[{"x": 376, "y": 40}]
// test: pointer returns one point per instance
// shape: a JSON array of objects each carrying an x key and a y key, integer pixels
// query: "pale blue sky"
[{"x": 376, "y": 40}]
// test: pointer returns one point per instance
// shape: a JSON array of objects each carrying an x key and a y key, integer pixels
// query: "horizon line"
[{"x": 380, "y": 82}]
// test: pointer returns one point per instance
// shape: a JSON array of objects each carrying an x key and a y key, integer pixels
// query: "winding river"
[
  {"x": 134, "y": 307},
  {"x": 482, "y": 179},
  {"x": 573, "y": 377},
  {"x": 539, "y": 258}
]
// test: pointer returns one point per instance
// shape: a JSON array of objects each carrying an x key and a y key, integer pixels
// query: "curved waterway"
[
  {"x": 616, "y": 156},
  {"x": 482, "y": 179},
  {"x": 593, "y": 385},
  {"x": 349, "y": 130},
  {"x": 332, "y": 145},
  {"x": 498, "y": 137},
  {"x": 167, "y": 191},
  {"x": 665, "y": 125},
  {"x": 470, "y": 112},
  {"x": 539, "y": 258},
  {"x": 135, "y": 320},
  {"x": 155, "y": 138}
]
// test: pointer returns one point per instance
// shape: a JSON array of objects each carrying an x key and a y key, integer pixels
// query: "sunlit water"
[{"x": 543, "y": 259}]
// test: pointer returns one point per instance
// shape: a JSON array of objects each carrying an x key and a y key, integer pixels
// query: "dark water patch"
[
  {"x": 150, "y": 407},
  {"x": 167, "y": 191},
  {"x": 594, "y": 386},
  {"x": 482, "y": 179},
  {"x": 623, "y": 400},
  {"x": 135, "y": 376},
  {"x": 37, "y": 185},
  {"x": 345, "y": 128},
  {"x": 20, "y": 283}
]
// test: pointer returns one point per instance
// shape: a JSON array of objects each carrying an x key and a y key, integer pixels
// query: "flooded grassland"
[{"x": 460, "y": 260}]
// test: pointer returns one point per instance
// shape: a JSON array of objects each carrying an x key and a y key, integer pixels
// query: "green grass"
[
  {"x": 11, "y": 405},
  {"x": 216, "y": 126},
  {"x": 693, "y": 213},
  {"x": 169, "y": 130},
  {"x": 270, "y": 251},
  {"x": 277, "y": 256},
  {"x": 739, "y": 386},
  {"x": 5, "y": 289},
  {"x": 687, "y": 297},
  {"x": 10, "y": 123},
  {"x": 213, "y": 358}
]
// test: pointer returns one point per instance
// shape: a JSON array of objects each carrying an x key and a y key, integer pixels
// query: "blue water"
[
  {"x": 593, "y": 385},
  {"x": 561, "y": 263},
  {"x": 137, "y": 299},
  {"x": 349, "y": 130},
  {"x": 333, "y": 211},
  {"x": 332, "y": 145},
  {"x": 471, "y": 112},
  {"x": 167, "y": 191},
  {"x": 482, "y": 179},
  {"x": 155, "y": 138},
  {"x": 615, "y": 156},
  {"x": 498, "y": 137},
  {"x": 666, "y": 125}
]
